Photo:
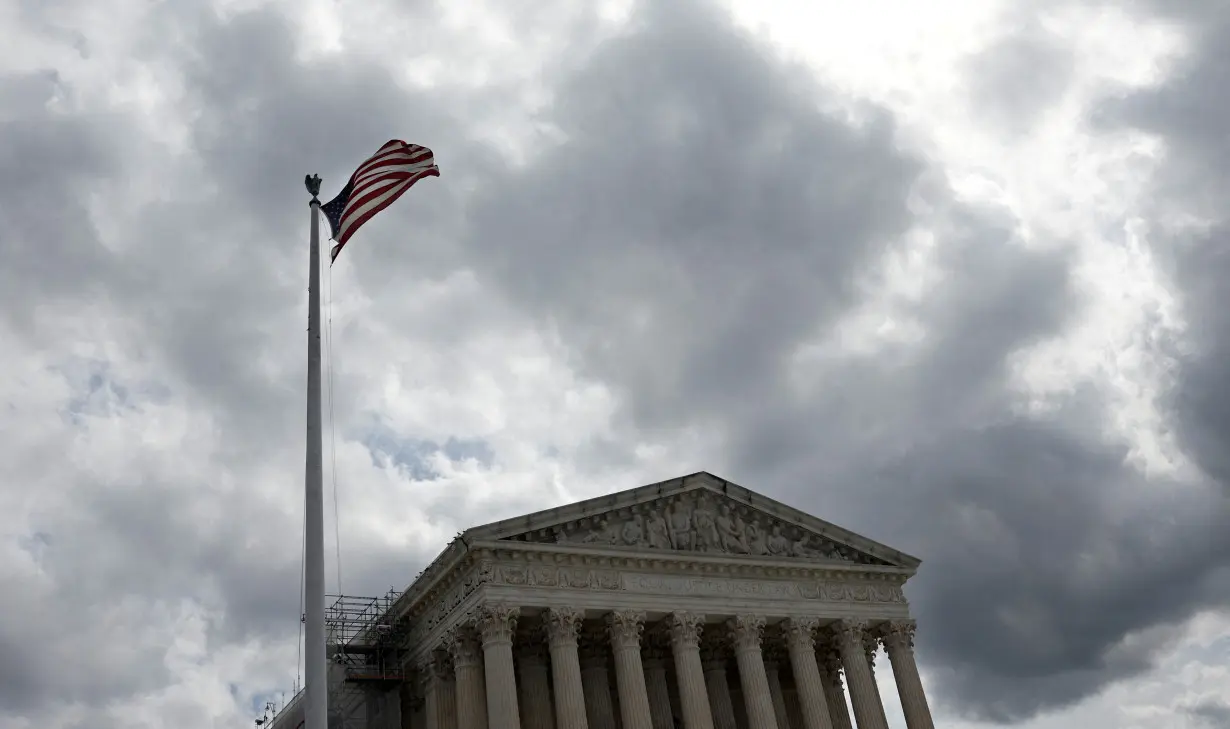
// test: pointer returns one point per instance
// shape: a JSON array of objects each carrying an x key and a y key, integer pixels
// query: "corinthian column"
[
  {"x": 441, "y": 692},
  {"x": 685, "y": 629},
  {"x": 654, "y": 657},
  {"x": 562, "y": 626},
  {"x": 745, "y": 634},
  {"x": 794, "y": 710},
  {"x": 899, "y": 644},
  {"x": 625, "y": 628},
  {"x": 871, "y": 644},
  {"x": 497, "y": 622},
  {"x": 772, "y": 671},
  {"x": 468, "y": 666},
  {"x": 868, "y": 711},
  {"x": 801, "y": 644},
  {"x": 713, "y": 655},
  {"x": 596, "y": 680},
  {"x": 829, "y": 660},
  {"x": 534, "y": 680}
]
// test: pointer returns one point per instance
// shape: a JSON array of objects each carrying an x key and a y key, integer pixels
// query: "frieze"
[
  {"x": 696, "y": 522},
  {"x": 450, "y": 598},
  {"x": 763, "y": 589},
  {"x": 575, "y": 577}
]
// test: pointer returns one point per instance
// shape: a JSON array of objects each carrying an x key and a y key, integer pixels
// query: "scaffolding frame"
[{"x": 365, "y": 644}]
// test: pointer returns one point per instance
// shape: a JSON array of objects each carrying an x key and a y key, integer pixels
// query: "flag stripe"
[
  {"x": 390, "y": 160},
  {"x": 376, "y": 184},
  {"x": 378, "y": 200}
]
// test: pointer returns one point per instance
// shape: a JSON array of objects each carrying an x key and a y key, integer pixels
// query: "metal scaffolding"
[{"x": 364, "y": 643}]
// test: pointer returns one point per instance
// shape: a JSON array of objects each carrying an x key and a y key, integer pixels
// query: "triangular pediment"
[{"x": 699, "y": 514}]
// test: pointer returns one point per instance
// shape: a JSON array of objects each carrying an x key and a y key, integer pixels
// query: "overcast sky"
[{"x": 953, "y": 275}]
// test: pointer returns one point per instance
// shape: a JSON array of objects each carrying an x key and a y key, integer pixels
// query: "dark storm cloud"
[
  {"x": 704, "y": 218},
  {"x": 700, "y": 220},
  {"x": 1195, "y": 181},
  {"x": 52, "y": 163},
  {"x": 209, "y": 292},
  {"x": 701, "y": 217},
  {"x": 1212, "y": 713}
]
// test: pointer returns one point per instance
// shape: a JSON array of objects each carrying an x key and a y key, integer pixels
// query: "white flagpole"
[{"x": 316, "y": 673}]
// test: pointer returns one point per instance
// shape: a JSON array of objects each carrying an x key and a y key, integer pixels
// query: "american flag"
[{"x": 374, "y": 186}]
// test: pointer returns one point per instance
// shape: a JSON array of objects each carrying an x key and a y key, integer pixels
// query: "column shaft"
[
  {"x": 471, "y": 690},
  {"x": 794, "y": 710},
  {"x": 497, "y": 623},
  {"x": 899, "y": 643},
  {"x": 625, "y": 628},
  {"x": 656, "y": 685},
  {"x": 745, "y": 634},
  {"x": 868, "y": 711},
  {"x": 430, "y": 705},
  {"x": 801, "y": 644},
  {"x": 534, "y": 680},
  {"x": 562, "y": 626},
  {"x": 829, "y": 660},
  {"x": 871, "y": 644},
  {"x": 773, "y": 673},
  {"x": 685, "y": 630},
  {"x": 442, "y": 693},
  {"x": 596, "y": 681},
  {"x": 713, "y": 660}
]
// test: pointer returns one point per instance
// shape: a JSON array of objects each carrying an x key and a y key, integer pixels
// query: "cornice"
[
  {"x": 685, "y": 562},
  {"x": 474, "y": 562}
]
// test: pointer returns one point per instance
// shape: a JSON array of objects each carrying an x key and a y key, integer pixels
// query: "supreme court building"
[{"x": 693, "y": 603}]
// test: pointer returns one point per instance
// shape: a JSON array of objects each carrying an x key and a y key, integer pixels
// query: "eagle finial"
[{"x": 312, "y": 183}]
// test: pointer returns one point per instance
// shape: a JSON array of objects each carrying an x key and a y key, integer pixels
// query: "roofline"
[
  {"x": 627, "y": 497},
  {"x": 615, "y": 499},
  {"x": 460, "y": 546}
]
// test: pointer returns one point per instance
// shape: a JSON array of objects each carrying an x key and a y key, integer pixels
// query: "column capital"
[
  {"x": 745, "y": 631},
  {"x": 440, "y": 665},
  {"x": 871, "y": 644},
  {"x": 562, "y": 625},
  {"x": 849, "y": 632},
  {"x": 625, "y": 628},
  {"x": 898, "y": 635},
  {"x": 800, "y": 632},
  {"x": 463, "y": 646},
  {"x": 685, "y": 628},
  {"x": 828, "y": 660},
  {"x": 424, "y": 676},
  {"x": 497, "y": 622}
]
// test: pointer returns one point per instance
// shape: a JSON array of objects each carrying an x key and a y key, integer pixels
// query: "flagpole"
[{"x": 316, "y": 673}]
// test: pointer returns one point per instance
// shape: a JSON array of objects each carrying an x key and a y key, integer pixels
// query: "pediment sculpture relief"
[{"x": 696, "y": 522}]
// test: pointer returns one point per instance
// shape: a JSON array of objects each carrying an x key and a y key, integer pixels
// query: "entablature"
[{"x": 542, "y": 575}]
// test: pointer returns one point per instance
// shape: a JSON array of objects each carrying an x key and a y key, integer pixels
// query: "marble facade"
[{"x": 689, "y": 604}]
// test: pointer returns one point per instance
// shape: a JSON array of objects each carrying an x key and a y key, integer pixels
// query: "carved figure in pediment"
[
  {"x": 756, "y": 538},
  {"x": 799, "y": 548},
  {"x": 632, "y": 533},
  {"x": 707, "y": 537},
  {"x": 604, "y": 533},
  {"x": 733, "y": 531},
  {"x": 681, "y": 526},
  {"x": 657, "y": 531},
  {"x": 777, "y": 543}
]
